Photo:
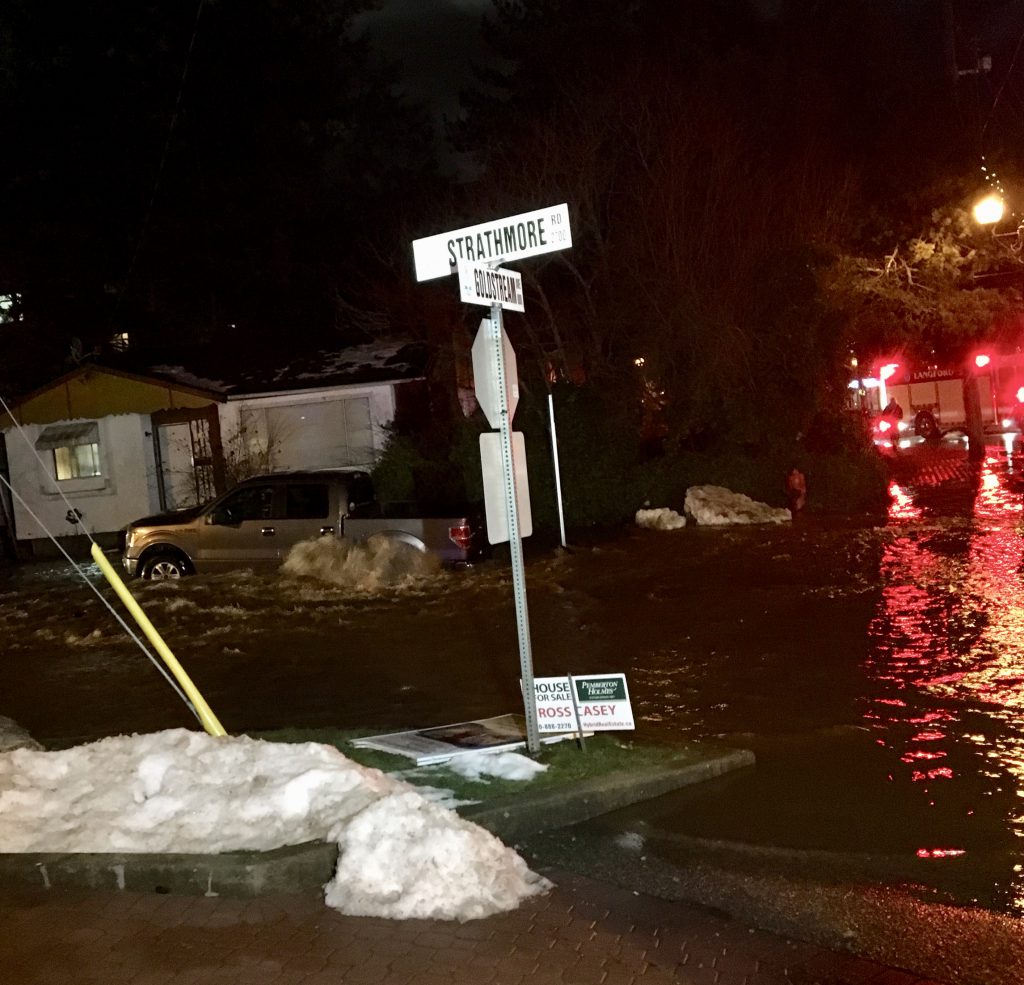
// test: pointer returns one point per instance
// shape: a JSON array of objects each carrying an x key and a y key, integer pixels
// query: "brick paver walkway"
[{"x": 583, "y": 933}]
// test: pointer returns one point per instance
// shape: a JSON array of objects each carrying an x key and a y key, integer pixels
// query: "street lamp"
[{"x": 990, "y": 211}]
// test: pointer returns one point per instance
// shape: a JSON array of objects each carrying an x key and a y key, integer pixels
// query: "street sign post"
[
  {"x": 475, "y": 252},
  {"x": 492, "y": 373},
  {"x": 479, "y": 284},
  {"x": 525, "y": 235}
]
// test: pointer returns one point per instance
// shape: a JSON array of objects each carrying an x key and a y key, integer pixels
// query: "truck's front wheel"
[{"x": 160, "y": 567}]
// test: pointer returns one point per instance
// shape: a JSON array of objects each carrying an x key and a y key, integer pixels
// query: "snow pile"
[
  {"x": 182, "y": 791},
  {"x": 715, "y": 506},
  {"x": 506, "y": 765},
  {"x": 381, "y": 562},
  {"x": 660, "y": 519}
]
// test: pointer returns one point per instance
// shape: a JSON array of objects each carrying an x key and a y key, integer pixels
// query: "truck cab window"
[
  {"x": 307, "y": 502},
  {"x": 252, "y": 503}
]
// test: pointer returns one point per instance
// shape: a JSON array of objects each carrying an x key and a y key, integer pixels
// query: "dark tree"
[
  {"x": 716, "y": 162},
  {"x": 191, "y": 172}
]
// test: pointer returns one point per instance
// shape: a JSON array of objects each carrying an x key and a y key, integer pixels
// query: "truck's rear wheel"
[
  {"x": 161, "y": 567},
  {"x": 926, "y": 426}
]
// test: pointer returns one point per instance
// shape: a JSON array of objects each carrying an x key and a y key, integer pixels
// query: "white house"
[{"x": 100, "y": 446}]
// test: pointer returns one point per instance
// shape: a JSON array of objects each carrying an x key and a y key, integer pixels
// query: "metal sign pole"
[
  {"x": 558, "y": 470},
  {"x": 515, "y": 542}
]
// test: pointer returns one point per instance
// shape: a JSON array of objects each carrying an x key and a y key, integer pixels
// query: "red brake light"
[
  {"x": 1020, "y": 395},
  {"x": 461, "y": 536},
  {"x": 982, "y": 360},
  {"x": 884, "y": 425}
]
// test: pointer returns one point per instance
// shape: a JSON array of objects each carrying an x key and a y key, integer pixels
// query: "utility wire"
[
  {"x": 147, "y": 218},
  {"x": 72, "y": 511},
  {"x": 1006, "y": 79}
]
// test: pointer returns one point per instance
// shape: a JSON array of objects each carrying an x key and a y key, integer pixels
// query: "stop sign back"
[{"x": 485, "y": 374}]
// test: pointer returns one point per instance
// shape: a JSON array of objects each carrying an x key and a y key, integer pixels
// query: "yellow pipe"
[{"x": 206, "y": 716}]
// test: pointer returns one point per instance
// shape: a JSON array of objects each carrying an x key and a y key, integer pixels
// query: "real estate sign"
[{"x": 593, "y": 702}]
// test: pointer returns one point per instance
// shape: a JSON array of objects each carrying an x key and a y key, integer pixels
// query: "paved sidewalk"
[{"x": 583, "y": 933}]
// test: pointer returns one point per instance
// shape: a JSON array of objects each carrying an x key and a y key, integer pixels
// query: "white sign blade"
[
  {"x": 495, "y": 501},
  {"x": 525, "y": 235},
  {"x": 483, "y": 285}
]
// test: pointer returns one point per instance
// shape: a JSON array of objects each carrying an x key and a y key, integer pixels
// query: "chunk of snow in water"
[
  {"x": 380, "y": 562},
  {"x": 13, "y": 736},
  {"x": 182, "y": 791},
  {"x": 506, "y": 765},
  {"x": 630, "y": 840},
  {"x": 660, "y": 519},
  {"x": 715, "y": 506}
]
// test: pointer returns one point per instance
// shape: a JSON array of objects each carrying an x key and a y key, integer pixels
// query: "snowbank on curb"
[
  {"x": 381, "y": 562},
  {"x": 715, "y": 506},
  {"x": 660, "y": 519},
  {"x": 182, "y": 791}
]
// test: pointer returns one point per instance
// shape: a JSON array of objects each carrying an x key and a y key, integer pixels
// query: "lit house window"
[{"x": 75, "y": 449}]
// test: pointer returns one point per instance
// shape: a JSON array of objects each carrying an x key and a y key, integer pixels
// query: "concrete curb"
[
  {"x": 523, "y": 814},
  {"x": 295, "y": 869},
  {"x": 307, "y": 867}
]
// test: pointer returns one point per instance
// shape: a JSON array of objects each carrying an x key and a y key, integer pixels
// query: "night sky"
[
  {"x": 437, "y": 44},
  {"x": 252, "y": 203}
]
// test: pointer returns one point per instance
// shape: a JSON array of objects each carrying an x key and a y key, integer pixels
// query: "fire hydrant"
[{"x": 796, "y": 490}]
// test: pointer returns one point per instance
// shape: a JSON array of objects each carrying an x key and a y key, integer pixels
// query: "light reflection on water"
[
  {"x": 947, "y": 665},
  {"x": 883, "y": 699}
]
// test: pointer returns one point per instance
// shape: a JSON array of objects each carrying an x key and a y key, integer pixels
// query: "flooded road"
[
  {"x": 875, "y": 667},
  {"x": 886, "y": 720}
]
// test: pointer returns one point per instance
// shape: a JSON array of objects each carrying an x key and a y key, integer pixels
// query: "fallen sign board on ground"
[
  {"x": 430, "y": 746},
  {"x": 601, "y": 703}
]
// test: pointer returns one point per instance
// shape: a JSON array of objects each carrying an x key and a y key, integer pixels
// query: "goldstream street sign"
[
  {"x": 525, "y": 235},
  {"x": 489, "y": 286}
]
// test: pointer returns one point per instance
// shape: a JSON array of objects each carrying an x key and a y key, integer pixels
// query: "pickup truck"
[{"x": 255, "y": 524}]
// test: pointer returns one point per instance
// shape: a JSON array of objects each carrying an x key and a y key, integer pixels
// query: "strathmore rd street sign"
[{"x": 525, "y": 235}]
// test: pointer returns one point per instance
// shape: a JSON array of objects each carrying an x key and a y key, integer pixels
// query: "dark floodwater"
[{"x": 899, "y": 752}]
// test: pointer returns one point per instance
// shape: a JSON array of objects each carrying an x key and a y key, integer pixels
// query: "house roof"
[
  {"x": 128, "y": 384},
  {"x": 374, "y": 362},
  {"x": 92, "y": 391}
]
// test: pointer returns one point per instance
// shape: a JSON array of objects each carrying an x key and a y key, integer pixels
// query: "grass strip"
[{"x": 567, "y": 764}]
